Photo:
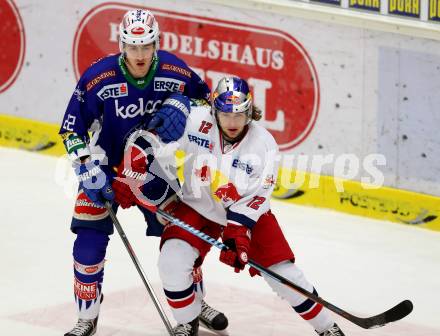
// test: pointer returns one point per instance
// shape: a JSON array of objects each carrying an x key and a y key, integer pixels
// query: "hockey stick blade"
[{"x": 396, "y": 313}]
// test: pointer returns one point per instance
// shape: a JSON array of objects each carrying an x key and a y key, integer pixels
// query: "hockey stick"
[
  {"x": 139, "y": 268},
  {"x": 394, "y": 314}
]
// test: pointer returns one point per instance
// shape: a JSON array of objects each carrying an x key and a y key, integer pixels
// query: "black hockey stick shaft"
[
  {"x": 394, "y": 314},
  {"x": 139, "y": 268}
]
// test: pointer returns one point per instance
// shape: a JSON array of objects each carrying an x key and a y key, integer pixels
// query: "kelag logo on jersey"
[
  {"x": 113, "y": 91},
  {"x": 168, "y": 84},
  {"x": 133, "y": 110},
  {"x": 12, "y": 44},
  {"x": 278, "y": 69}
]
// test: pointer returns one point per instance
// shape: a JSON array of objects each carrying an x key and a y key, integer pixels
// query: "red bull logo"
[
  {"x": 228, "y": 193},
  {"x": 233, "y": 100}
]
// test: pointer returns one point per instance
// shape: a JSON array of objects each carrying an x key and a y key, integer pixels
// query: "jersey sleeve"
[
  {"x": 83, "y": 109},
  {"x": 256, "y": 200}
]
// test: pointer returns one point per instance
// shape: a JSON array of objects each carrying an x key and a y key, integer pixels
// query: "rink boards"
[{"x": 292, "y": 186}]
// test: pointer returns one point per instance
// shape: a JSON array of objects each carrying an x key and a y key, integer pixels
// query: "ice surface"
[{"x": 363, "y": 266}]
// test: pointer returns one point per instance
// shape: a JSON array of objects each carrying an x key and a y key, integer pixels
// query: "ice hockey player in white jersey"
[{"x": 229, "y": 174}]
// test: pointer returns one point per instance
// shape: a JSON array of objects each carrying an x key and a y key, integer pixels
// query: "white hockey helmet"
[{"x": 138, "y": 27}]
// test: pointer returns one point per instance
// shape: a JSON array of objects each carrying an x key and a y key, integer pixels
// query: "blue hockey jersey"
[{"x": 109, "y": 103}]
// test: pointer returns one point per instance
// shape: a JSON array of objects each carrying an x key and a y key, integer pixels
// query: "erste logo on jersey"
[
  {"x": 168, "y": 84},
  {"x": 113, "y": 91},
  {"x": 237, "y": 163},
  {"x": 12, "y": 44},
  {"x": 199, "y": 141},
  {"x": 278, "y": 69}
]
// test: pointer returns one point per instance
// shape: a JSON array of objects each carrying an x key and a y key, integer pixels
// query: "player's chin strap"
[
  {"x": 139, "y": 268},
  {"x": 394, "y": 314}
]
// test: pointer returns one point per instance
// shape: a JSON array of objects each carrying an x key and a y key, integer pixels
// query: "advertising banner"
[
  {"x": 271, "y": 60},
  {"x": 370, "y": 5},
  {"x": 409, "y": 8},
  {"x": 12, "y": 44},
  {"x": 434, "y": 10}
]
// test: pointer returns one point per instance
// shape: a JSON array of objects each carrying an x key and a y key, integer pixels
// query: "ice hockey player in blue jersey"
[{"x": 113, "y": 97}]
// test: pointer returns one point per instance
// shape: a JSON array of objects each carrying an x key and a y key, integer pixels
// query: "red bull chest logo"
[{"x": 227, "y": 193}]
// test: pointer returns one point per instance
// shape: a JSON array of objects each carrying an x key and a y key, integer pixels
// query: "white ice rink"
[{"x": 363, "y": 266}]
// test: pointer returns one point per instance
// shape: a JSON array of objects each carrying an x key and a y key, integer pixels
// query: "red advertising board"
[
  {"x": 278, "y": 69},
  {"x": 12, "y": 44}
]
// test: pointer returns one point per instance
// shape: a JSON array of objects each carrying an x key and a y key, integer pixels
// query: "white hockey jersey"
[{"x": 227, "y": 184}]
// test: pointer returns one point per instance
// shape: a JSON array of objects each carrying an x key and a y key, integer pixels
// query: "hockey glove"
[
  {"x": 238, "y": 239},
  {"x": 132, "y": 175},
  {"x": 170, "y": 121},
  {"x": 94, "y": 182}
]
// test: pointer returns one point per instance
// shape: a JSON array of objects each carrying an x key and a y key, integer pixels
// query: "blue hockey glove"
[
  {"x": 94, "y": 182},
  {"x": 170, "y": 120}
]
